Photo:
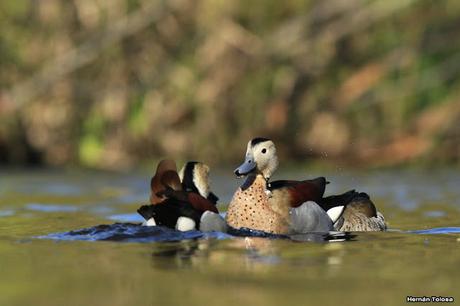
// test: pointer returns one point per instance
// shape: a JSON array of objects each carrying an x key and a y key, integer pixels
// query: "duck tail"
[
  {"x": 213, "y": 198},
  {"x": 321, "y": 183}
]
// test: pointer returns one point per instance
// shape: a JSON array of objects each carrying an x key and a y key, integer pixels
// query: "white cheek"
[
  {"x": 201, "y": 184},
  {"x": 264, "y": 162}
]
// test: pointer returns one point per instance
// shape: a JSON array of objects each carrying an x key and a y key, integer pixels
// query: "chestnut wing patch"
[
  {"x": 301, "y": 191},
  {"x": 200, "y": 203}
]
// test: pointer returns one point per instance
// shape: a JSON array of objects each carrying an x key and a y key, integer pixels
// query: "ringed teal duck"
[
  {"x": 284, "y": 207},
  {"x": 183, "y": 204},
  {"x": 279, "y": 207}
]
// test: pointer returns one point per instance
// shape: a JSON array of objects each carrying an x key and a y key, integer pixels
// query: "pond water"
[{"x": 71, "y": 238}]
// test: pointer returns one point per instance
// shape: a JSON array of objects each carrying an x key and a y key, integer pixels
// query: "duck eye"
[{"x": 264, "y": 150}]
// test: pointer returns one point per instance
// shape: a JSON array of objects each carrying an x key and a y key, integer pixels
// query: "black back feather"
[
  {"x": 341, "y": 199},
  {"x": 187, "y": 180},
  {"x": 169, "y": 211}
]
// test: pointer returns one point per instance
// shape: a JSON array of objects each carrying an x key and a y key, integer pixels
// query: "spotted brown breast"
[{"x": 250, "y": 208}]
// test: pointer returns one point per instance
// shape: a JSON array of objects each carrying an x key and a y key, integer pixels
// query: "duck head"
[
  {"x": 260, "y": 158},
  {"x": 195, "y": 178}
]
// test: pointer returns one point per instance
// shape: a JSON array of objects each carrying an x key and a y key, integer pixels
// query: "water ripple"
[
  {"x": 130, "y": 232},
  {"x": 51, "y": 207},
  {"x": 438, "y": 230}
]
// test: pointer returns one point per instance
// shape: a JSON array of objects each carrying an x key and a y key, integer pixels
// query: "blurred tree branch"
[
  {"x": 135, "y": 79},
  {"x": 85, "y": 53}
]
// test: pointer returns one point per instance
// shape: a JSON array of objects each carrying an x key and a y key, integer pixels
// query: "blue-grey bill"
[{"x": 245, "y": 168}]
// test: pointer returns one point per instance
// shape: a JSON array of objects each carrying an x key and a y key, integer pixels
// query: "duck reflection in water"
[{"x": 246, "y": 252}]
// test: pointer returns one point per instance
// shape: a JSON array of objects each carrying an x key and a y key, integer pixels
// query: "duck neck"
[
  {"x": 270, "y": 168},
  {"x": 251, "y": 178}
]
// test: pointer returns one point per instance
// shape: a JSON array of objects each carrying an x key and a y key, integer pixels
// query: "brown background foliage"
[{"x": 110, "y": 84}]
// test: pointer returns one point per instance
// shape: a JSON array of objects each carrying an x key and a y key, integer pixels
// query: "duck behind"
[
  {"x": 182, "y": 204},
  {"x": 354, "y": 212}
]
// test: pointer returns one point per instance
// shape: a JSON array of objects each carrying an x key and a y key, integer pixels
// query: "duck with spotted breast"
[
  {"x": 287, "y": 206},
  {"x": 182, "y": 200}
]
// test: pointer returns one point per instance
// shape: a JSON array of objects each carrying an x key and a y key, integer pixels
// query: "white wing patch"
[
  {"x": 335, "y": 212},
  {"x": 185, "y": 224},
  {"x": 150, "y": 222}
]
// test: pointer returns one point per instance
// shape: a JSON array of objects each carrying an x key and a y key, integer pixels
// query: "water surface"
[{"x": 418, "y": 256}]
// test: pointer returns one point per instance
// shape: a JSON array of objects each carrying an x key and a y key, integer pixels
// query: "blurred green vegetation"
[{"x": 112, "y": 83}]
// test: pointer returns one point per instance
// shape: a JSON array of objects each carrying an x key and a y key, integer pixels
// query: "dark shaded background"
[{"x": 117, "y": 83}]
